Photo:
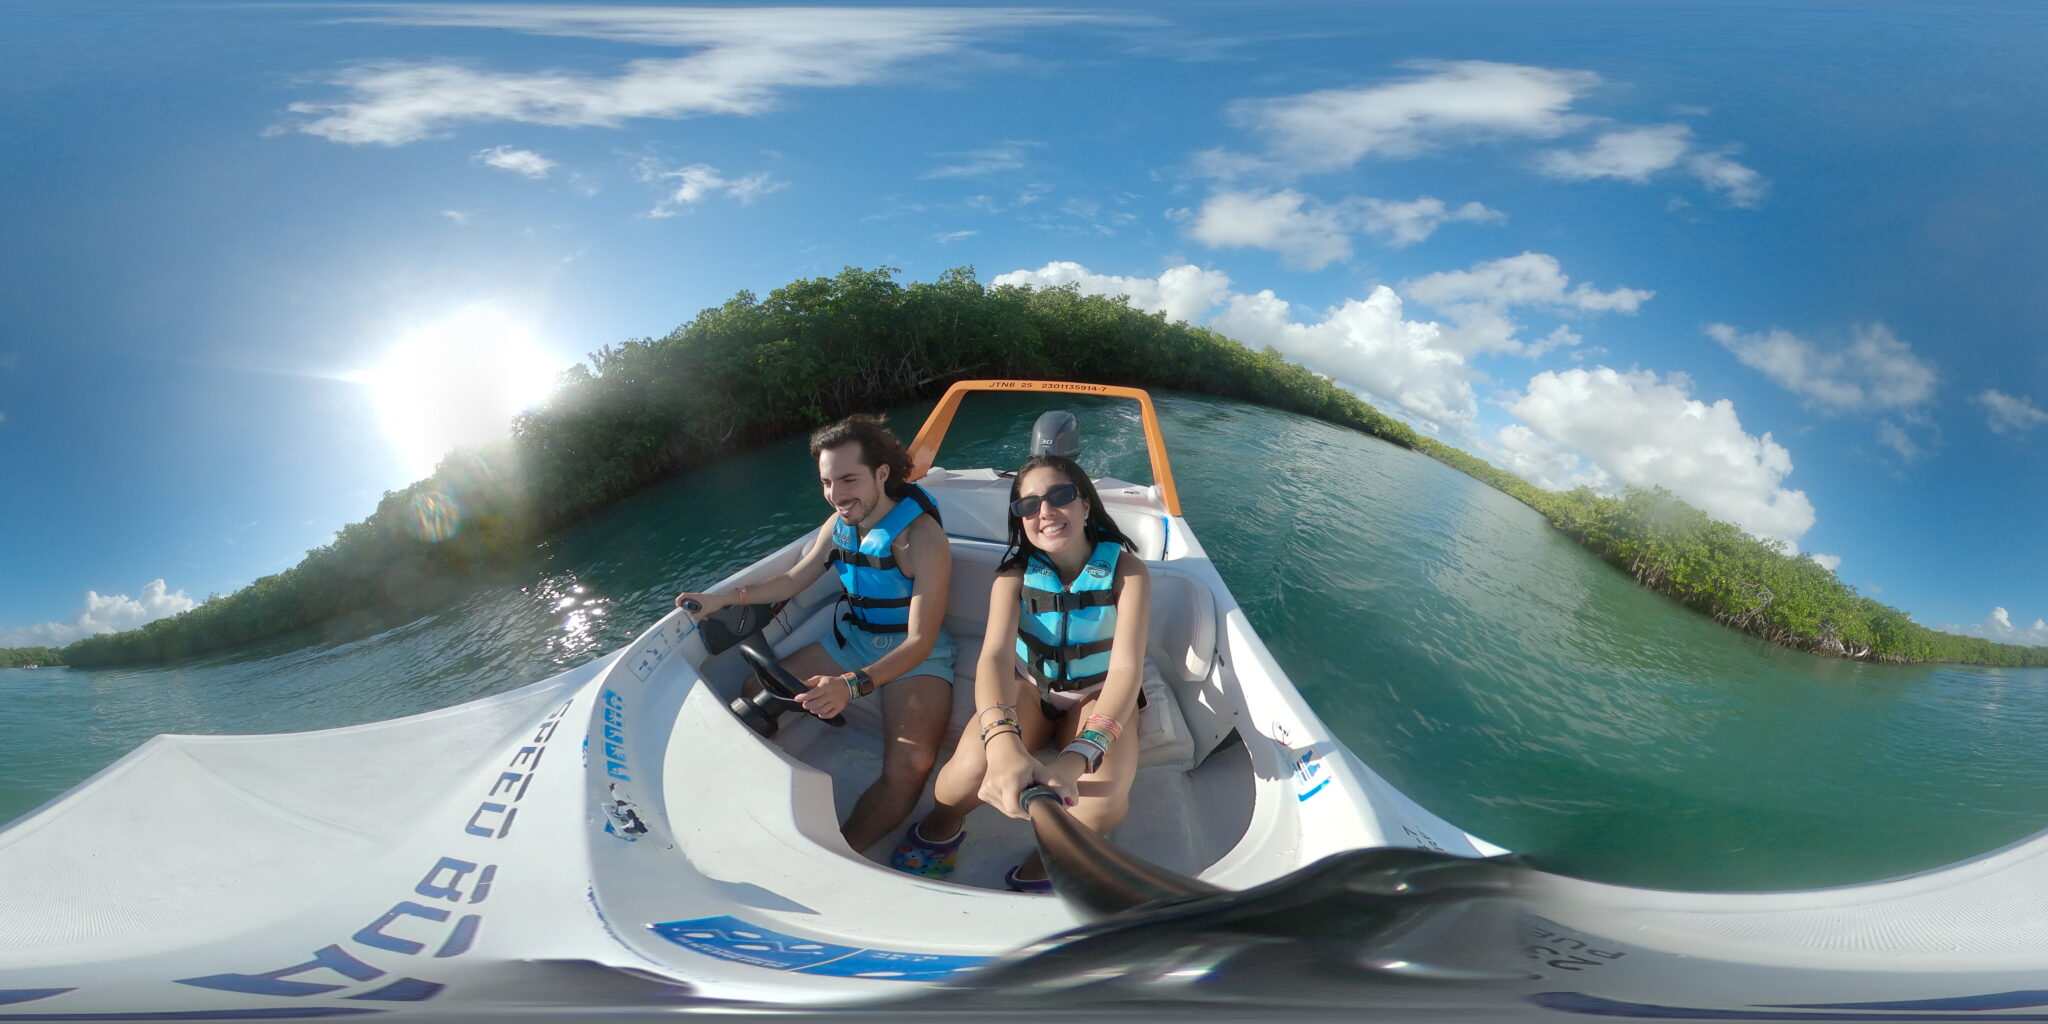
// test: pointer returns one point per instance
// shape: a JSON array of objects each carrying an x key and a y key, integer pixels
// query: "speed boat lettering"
[
  {"x": 1423, "y": 839},
  {"x": 493, "y": 817},
  {"x": 615, "y": 735},
  {"x": 451, "y": 880},
  {"x": 729, "y": 938}
]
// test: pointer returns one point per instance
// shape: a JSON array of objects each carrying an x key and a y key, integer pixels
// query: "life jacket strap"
[
  {"x": 885, "y": 563},
  {"x": 853, "y": 618},
  {"x": 1061, "y": 685},
  {"x": 1038, "y": 602}
]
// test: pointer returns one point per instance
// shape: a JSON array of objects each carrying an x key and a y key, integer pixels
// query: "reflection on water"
[{"x": 1484, "y": 664}]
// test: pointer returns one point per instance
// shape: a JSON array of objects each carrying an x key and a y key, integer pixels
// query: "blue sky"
[{"x": 1786, "y": 259}]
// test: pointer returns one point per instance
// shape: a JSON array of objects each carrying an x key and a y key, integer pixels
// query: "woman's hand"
[
  {"x": 1012, "y": 770},
  {"x": 706, "y": 603}
]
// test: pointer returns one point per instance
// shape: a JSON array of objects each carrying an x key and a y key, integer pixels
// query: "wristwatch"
[{"x": 859, "y": 683}]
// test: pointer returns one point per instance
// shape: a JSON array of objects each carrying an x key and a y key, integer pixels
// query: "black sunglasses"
[{"x": 1058, "y": 497}]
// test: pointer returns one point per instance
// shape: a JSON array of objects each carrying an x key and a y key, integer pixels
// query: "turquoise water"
[{"x": 1482, "y": 663}]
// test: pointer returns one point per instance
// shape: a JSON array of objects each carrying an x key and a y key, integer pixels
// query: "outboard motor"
[{"x": 1056, "y": 433}]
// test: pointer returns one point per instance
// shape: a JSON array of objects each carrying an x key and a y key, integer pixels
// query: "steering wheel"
[{"x": 774, "y": 678}]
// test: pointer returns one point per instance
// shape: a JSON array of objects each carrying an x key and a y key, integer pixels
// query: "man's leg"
[{"x": 914, "y": 714}]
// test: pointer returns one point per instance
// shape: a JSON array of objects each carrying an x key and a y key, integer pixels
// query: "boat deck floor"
[{"x": 1180, "y": 819}]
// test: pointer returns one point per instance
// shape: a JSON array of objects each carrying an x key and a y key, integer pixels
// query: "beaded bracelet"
[
  {"x": 1000, "y": 730},
  {"x": 997, "y": 724}
]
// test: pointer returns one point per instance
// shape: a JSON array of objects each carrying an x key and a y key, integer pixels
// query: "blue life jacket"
[
  {"x": 878, "y": 592},
  {"x": 1064, "y": 631}
]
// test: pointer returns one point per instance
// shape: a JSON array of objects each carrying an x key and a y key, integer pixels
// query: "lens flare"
[{"x": 435, "y": 516}]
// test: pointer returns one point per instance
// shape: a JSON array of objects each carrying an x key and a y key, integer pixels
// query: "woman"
[{"x": 1073, "y": 606}]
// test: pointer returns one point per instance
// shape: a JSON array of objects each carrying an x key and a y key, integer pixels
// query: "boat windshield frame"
[{"x": 925, "y": 447}]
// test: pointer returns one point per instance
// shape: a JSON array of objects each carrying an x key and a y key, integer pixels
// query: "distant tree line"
[
  {"x": 1750, "y": 584},
  {"x": 17, "y": 657},
  {"x": 753, "y": 370}
]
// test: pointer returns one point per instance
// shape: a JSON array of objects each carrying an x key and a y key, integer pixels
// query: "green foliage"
[
  {"x": 1745, "y": 582},
  {"x": 41, "y": 657},
  {"x": 755, "y": 369},
  {"x": 748, "y": 371}
]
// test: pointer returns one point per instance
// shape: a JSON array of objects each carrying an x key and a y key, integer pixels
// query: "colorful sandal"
[
  {"x": 1033, "y": 886},
  {"x": 920, "y": 856}
]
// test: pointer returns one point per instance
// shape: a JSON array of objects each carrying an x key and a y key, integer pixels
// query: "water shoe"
[
  {"x": 920, "y": 856},
  {"x": 1034, "y": 886}
]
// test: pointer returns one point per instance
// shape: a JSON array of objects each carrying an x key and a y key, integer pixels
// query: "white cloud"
[
  {"x": 1406, "y": 223},
  {"x": 1007, "y": 157},
  {"x": 1645, "y": 432},
  {"x": 2010, "y": 414},
  {"x": 739, "y": 62},
  {"x": 1998, "y": 628},
  {"x": 1828, "y": 562},
  {"x": 1635, "y": 154},
  {"x": 518, "y": 161},
  {"x": 699, "y": 182},
  {"x": 1876, "y": 371},
  {"x": 1363, "y": 344},
  {"x": 1310, "y": 235},
  {"x": 459, "y": 217},
  {"x": 1899, "y": 441},
  {"x": 1742, "y": 185},
  {"x": 1183, "y": 293},
  {"x": 1630, "y": 155},
  {"x": 1478, "y": 300},
  {"x": 1444, "y": 102},
  {"x": 1306, "y": 238},
  {"x": 112, "y": 613},
  {"x": 950, "y": 237},
  {"x": 1544, "y": 462},
  {"x": 1453, "y": 103}
]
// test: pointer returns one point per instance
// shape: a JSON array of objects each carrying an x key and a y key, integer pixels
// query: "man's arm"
[{"x": 775, "y": 588}]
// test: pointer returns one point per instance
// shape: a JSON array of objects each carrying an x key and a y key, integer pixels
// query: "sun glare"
[{"x": 457, "y": 382}]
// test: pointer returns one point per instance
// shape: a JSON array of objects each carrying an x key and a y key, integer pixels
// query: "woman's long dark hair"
[{"x": 1099, "y": 527}]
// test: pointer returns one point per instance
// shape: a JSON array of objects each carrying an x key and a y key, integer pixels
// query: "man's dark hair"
[{"x": 878, "y": 447}]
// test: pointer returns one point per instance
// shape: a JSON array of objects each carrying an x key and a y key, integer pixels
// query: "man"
[{"x": 890, "y": 644}]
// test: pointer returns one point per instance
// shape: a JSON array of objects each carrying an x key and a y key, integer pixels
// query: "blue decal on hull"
[{"x": 729, "y": 938}]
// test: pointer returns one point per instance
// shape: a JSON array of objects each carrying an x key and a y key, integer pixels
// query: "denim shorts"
[{"x": 863, "y": 648}]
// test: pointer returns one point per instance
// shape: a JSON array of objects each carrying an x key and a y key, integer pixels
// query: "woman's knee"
[{"x": 1102, "y": 812}]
